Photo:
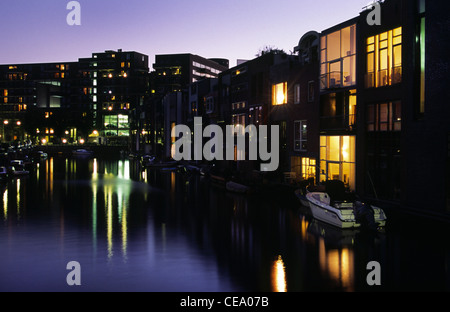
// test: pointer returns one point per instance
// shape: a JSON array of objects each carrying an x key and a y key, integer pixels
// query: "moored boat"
[
  {"x": 237, "y": 187},
  {"x": 82, "y": 152},
  {"x": 17, "y": 168},
  {"x": 341, "y": 209},
  {"x": 3, "y": 173}
]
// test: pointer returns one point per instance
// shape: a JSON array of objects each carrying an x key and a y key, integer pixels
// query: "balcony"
[{"x": 339, "y": 122}]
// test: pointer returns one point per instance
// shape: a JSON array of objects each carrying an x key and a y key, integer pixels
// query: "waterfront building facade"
[
  {"x": 174, "y": 73},
  {"x": 403, "y": 143}
]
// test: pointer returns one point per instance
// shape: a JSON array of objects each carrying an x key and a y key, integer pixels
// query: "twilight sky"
[{"x": 35, "y": 31}]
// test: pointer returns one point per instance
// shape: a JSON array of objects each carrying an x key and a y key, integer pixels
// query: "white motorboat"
[{"x": 336, "y": 210}]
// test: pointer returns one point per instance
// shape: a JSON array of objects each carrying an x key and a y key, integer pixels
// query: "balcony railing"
[
  {"x": 397, "y": 75},
  {"x": 370, "y": 80},
  {"x": 385, "y": 77},
  {"x": 331, "y": 80}
]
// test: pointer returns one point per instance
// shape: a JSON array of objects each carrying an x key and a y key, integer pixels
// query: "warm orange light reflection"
[
  {"x": 279, "y": 276},
  {"x": 337, "y": 264}
]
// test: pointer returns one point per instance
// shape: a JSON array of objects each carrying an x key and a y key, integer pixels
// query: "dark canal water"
[{"x": 159, "y": 231}]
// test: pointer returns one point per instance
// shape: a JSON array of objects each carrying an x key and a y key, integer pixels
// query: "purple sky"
[{"x": 35, "y": 31}]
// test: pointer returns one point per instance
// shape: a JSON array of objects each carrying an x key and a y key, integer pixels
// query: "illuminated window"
[
  {"x": 279, "y": 93},
  {"x": 238, "y": 105},
  {"x": 352, "y": 107},
  {"x": 5, "y": 92},
  {"x": 420, "y": 53},
  {"x": 300, "y": 135},
  {"x": 338, "y": 59},
  {"x": 384, "y": 59},
  {"x": 172, "y": 150},
  {"x": 337, "y": 159},
  {"x": 176, "y": 71},
  {"x": 308, "y": 168}
]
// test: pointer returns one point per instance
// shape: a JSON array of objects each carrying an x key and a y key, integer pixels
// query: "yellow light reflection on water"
[
  {"x": 5, "y": 204},
  {"x": 95, "y": 170},
  {"x": 94, "y": 214},
  {"x": 18, "y": 197},
  {"x": 279, "y": 276},
  {"x": 109, "y": 219},
  {"x": 337, "y": 264},
  {"x": 124, "y": 232},
  {"x": 116, "y": 194}
]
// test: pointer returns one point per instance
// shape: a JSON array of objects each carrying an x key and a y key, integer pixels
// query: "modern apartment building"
[
  {"x": 97, "y": 98},
  {"x": 39, "y": 102},
  {"x": 175, "y": 73},
  {"x": 116, "y": 86}
]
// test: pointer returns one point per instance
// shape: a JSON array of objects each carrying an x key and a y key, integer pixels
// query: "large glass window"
[
  {"x": 338, "y": 59},
  {"x": 338, "y": 110},
  {"x": 116, "y": 125},
  {"x": 384, "y": 59},
  {"x": 337, "y": 159},
  {"x": 384, "y": 116}
]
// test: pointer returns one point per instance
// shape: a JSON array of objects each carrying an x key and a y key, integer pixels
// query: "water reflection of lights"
[
  {"x": 5, "y": 204},
  {"x": 116, "y": 198},
  {"x": 124, "y": 169},
  {"x": 338, "y": 264},
  {"x": 18, "y": 197},
  {"x": 95, "y": 170},
  {"x": 279, "y": 276},
  {"x": 109, "y": 218}
]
